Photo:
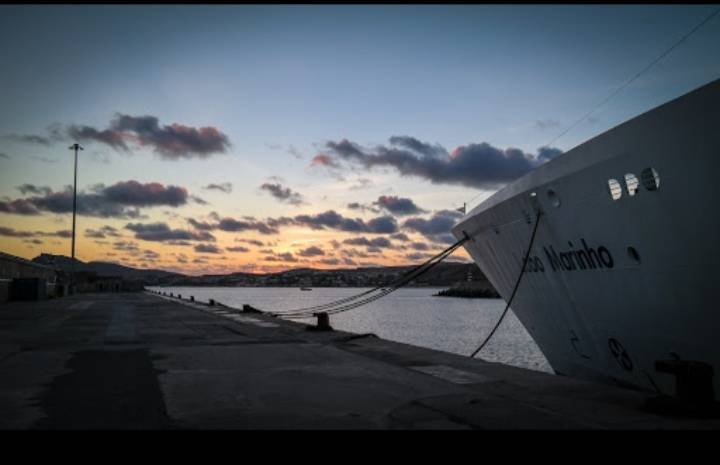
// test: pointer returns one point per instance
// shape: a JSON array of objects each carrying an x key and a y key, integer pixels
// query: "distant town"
[{"x": 443, "y": 275}]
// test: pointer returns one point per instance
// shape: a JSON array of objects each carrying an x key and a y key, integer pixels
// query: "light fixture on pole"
[{"x": 74, "y": 147}]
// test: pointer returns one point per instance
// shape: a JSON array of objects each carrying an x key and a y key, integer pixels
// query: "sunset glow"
[{"x": 222, "y": 139}]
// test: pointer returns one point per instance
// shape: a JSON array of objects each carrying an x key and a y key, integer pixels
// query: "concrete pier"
[{"x": 142, "y": 361}]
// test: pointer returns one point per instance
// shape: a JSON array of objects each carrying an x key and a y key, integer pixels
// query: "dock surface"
[{"x": 140, "y": 361}]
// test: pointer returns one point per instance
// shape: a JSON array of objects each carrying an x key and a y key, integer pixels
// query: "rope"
[
  {"x": 517, "y": 285},
  {"x": 345, "y": 304},
  {"x": 357, "y": 296}
]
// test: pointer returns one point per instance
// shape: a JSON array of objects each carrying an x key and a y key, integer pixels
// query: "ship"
[{"x": 621, "y": 233}]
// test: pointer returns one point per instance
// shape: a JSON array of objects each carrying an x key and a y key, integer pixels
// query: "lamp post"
[{"x": 74, "y": 147}]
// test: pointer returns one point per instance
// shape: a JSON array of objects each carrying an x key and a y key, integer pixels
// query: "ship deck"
[{"x": 140, "y": 361}]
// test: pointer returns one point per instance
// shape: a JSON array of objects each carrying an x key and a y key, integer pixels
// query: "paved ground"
[{"x": 139, "y": 361}]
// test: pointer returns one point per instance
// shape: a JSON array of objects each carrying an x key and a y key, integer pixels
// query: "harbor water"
[{"x": 410, "y": 315}]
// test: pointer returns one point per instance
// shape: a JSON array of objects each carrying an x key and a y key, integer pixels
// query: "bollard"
[
  {"x": 323, "y": 323},
  {"x": 179, "y": 296},
  {"x": 694, "y": 393},
  {"x": 211, "y": 302},
  {"x": 192, "y": 298},
  {"x": 250, "y": 309}
]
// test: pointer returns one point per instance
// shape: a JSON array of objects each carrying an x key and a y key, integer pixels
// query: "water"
[{"x": 411, "y": 316}]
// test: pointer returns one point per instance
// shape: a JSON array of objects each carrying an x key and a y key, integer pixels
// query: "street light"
[{"x": 74, "y": 147}]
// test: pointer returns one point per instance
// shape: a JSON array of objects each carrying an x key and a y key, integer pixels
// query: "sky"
[{"x": 224, "y": 138}]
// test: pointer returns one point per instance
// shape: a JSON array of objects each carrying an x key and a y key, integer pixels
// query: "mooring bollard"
[
  {"x": 323, "y": 323},
  {"x": 192, "y": 298},
  {"x": 250, "y": 309},
  {"x": 211, "y": 302},
  {"x": 179, "y": 296}
]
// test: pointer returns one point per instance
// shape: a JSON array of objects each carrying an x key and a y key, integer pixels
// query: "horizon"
[
  {"x": 257, "y": 139},
  {"x": 299, "y": 268}
]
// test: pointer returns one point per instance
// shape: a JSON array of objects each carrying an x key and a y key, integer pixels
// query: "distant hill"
[
  {"x": 104, "y": 268},
  {"x": 443, "y": 275}
]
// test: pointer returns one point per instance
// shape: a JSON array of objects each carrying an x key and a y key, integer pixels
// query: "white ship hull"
[{"x": 613, "y": 320}]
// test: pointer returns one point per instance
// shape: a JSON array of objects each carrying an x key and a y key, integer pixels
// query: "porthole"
[
  {"x": 615, "y": 188},
  {"x": 633, "y": 254},
  {"x": 631, "y": 184},
  {"x": 553, "y": 197},
  {"x": 650, "y": 179}
]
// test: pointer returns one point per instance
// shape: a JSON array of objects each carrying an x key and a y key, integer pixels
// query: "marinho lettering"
[{"x": 573, "y": 259}]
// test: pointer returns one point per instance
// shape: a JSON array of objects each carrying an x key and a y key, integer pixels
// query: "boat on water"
[{"x": 624, "y": 270}]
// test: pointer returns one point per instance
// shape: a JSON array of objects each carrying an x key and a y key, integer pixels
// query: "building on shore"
[{"x": 22, "y": 279}]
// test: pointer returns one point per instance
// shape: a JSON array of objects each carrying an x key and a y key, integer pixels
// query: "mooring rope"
[
  {"x": 350, "y": 303},
  {"x": 316, "y": 308},
  {"x": 384, "y": 292},
  {"x": 517, "y": 285}
]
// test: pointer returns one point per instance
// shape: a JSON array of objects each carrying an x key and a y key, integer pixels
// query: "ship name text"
[{"x": 575, "y": 258}]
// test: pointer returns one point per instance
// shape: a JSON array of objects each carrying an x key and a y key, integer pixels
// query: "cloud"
[
  {"x": 359, "y": 206},
  {"x": 378, "y": 242},
  {"x": 415, "y": 256},
  {"x": 126, "y": 246},
  {"x": 362, "y": 183},
  {"x": 237, "y": 249},
  {"x": 328, "y": 219},
  {"x": 207, "y": 248},
  {"x": 121, "y": 200},
  {"x": 398, "y": 205},
  {"x": 283, "y": 194},
  {"x": 228, "y": 224},
  {"x": 251, "y": 241},
  {"x": 294, "y": 152},
  {"x": 102, "y": 232},
  {"x": 10, "y": 232},
  {"x": 4, "y": 155},
  {"x": 427, "y": 150},
  {"x": 171, "y": 142},
  {"x": 233, "y": 225},
  {"x": 225, "y": 187},
  {"x": 330, "y": 261},
  {"x": 160, "y": 232},
  {"x": 29, "y": 139},
  {"x": 382, "y": 225},
  {"x": 145, "y": 195},
  {"x": 473, "y": 165},
  {"x": 400, "y": 237},
  {"x": 311, "y": 251},
  {"x": 334, "y": 220},
  {"x": 546, "y": 124},
  {"x": 323, "y": 160},
  {"x": 19, "y": 207},
  {"x": 179, "y": 243},
  {"x": 33, "y": 189},
  {"x": 354, "y": 253},
  {"x": 281, "y": 257},
  {"x": 437, "y": 228}
]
